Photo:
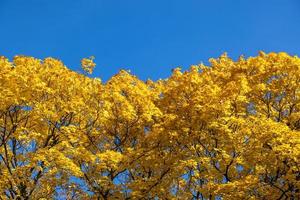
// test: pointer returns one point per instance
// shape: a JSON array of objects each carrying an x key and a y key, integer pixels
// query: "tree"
[{"x": 230, "y": 130}]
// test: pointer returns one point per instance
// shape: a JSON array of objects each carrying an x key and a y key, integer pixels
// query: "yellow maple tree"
[{"x": 230, "y": 130}]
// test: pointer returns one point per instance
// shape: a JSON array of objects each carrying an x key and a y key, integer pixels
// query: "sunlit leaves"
[{"x": 230, "y": 130}]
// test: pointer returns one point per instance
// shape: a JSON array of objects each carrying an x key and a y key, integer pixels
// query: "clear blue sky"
[{"x": 149, "y": 37}]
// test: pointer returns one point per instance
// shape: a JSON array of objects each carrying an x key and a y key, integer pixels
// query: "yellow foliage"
[
  {"x": 229, "y": 130},
  {"x": 88, "y": 64}
]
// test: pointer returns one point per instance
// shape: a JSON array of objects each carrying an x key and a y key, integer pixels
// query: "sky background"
[{"x": 149, "y": 37}]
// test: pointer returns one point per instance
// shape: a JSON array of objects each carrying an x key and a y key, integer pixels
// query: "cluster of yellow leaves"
[
  {"x": 230, "y": 130},
  {"x": 88, "y": 64}
]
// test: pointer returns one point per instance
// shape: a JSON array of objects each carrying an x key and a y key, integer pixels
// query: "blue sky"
[{"x": 149, "y": 37}]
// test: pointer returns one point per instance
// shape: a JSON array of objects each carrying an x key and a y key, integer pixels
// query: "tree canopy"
[{"x": 230, "y": 130}]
